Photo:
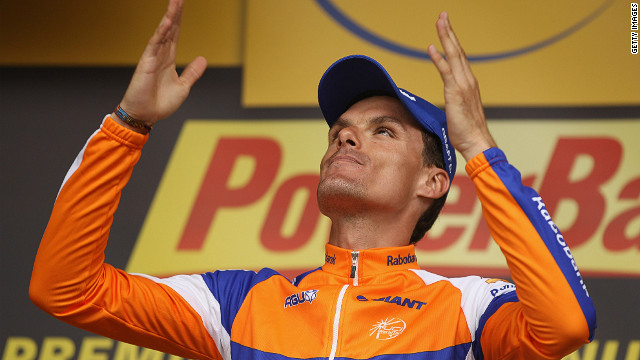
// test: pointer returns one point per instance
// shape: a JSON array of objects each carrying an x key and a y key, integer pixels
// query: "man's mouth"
[{"x": 344, "y": 158}]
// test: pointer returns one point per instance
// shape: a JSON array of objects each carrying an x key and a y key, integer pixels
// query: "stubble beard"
[{"x": 338, "y": 196}]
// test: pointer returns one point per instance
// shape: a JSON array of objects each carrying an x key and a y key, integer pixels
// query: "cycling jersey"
[{"x": 374, "y": 303}]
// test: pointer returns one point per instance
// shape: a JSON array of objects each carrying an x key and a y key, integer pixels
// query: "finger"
[
  {"x": 447, "y": 42},
  {"x": 193, "y": 71},
  {"x": 162, "y": 46},
  {"x": 454, "y": 51},
  {"x": 168, "y": 29},
  {"x": 451, "y": 33},
  {"x": 440, "y": 63},
  {"x": 175, "y": 7}
]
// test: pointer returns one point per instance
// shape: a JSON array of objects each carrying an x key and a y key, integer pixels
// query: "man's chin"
[{"x": 339, "y": 194}]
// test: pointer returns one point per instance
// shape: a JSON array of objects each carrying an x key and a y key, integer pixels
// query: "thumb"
[{"x": 193, "y": 71}]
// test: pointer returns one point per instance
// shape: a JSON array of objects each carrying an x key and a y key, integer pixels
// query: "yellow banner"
[
  {"x": 96, "y": 347},
  {"x": 241, "y": 194},
  {"x": 115, "y": 32},
  {"x": 540, "y": 53}
]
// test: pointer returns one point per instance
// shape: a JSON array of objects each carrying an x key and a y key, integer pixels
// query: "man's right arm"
[{"x": 70, "y": 279}]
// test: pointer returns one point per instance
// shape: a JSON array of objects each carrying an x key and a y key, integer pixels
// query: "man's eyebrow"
[
  {"x": 341, "y": 122},
  {"x": 385, "y": 118}
]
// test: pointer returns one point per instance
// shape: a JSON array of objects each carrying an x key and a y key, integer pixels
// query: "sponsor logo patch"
[
  {"x": 398, "y": 300},
  {"x": 400, "y": 260},
  {"x": 388, "y": 328},
  {"x": 503, "y": 289},
  {"x": 330, "y": 259},
  {"x": 298, "y": 298}
]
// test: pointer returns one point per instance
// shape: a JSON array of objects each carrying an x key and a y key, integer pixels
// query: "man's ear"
[{"x": 434, "y": 183}]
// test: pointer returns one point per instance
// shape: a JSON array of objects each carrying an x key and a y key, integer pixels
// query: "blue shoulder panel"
[
  {"x": 230, "y": 287},
  {"x": 296, "y": 280},
  {"x": 494, "y": 305}
]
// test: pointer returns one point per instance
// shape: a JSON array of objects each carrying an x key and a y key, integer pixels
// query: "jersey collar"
[{"x": 365, "y": 263}]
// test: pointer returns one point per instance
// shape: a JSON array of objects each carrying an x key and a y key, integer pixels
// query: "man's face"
[{"x": 374, "y": 159}]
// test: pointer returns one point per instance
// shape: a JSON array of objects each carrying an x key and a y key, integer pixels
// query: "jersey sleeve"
[
  {"x": 71, "y": 281},
  {"x": 552, "y": 314}
]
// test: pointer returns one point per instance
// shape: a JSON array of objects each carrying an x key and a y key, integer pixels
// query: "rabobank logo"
[
  {"x": 401, "y": 260},
  {"x": 299, "y": 298},
  {"x": 543, "y": 37}
]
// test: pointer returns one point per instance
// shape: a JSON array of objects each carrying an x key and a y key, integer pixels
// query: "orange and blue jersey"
[{"x": 374, "y": 303}]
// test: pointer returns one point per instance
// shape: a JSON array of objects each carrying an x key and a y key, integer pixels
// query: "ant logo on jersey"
[
  {"x": 400, "y": 301},
  {"x": 388, "y": 328},
  {"x": 299, "y": 298}
]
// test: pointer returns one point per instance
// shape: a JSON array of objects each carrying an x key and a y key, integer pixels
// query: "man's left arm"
[{"x": 553, "y": 313}]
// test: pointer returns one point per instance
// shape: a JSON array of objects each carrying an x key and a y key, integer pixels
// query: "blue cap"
[{"x": 353, "y": 76}]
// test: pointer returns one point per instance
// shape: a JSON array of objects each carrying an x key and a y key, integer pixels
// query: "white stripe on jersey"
[
  {"x": 195, "y": 291},
  {"x": 475, "y": 294},
  {"x": 76, "y": 162}
]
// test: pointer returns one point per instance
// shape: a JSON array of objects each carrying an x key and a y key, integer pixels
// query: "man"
[{"x": 389, "y": 163}]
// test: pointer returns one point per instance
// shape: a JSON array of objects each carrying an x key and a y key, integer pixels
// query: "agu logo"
[
  {"x": 299, "y": 298},
  {"x": 388, "y": 328}
]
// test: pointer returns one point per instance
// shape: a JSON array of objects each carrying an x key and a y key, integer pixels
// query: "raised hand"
[
  {"x": 465, "y": 116},
  {"x": 156, "y": 90}
]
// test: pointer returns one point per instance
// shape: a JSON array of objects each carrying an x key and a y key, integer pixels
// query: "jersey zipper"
[
  {"x": 354, "y": 267},
  {"x": 336, "y": 322},
  {"x": 336, "y": 316}
]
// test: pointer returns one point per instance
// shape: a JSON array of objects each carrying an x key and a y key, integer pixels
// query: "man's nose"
[{"x": 348, "y": 136}]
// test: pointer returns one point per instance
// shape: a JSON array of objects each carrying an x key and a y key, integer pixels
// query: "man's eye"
[
  {"x": 333, "y": 135},
  {"x": 384, "y": 131}
]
